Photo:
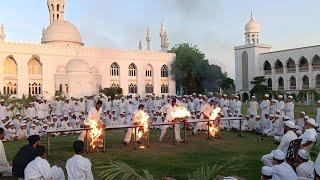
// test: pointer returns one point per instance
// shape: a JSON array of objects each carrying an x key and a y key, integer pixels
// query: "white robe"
[
  {"x": 290, "y": 110},
  {"x": 40, "y": 169},
  {"x": 4, "y": 164},
  {"x": 264, "y": 106},
  {"x": 283, "y": 171},
  {"x": 305, "y": 170},
  {"x": 79, "y": 168},
  {"x": 253, "y": 108}
]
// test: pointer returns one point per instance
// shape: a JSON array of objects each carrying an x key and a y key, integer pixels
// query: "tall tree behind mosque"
[
  {"x": 192, "y": 71},
  {"x": 259, "y": 87}
]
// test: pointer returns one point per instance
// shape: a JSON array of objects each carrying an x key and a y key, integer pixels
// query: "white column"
[{"x": 23, "y": 79}]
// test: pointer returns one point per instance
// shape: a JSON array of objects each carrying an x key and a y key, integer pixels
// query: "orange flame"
[
  {"x": 142, "y": 119},
  {"x": 95, "y": 131},
  {"x": 180, "y": 112},
  {"x": 214, "y": 130}
]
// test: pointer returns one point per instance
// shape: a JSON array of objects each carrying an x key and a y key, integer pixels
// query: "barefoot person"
[{"x": 79, "y": 167}]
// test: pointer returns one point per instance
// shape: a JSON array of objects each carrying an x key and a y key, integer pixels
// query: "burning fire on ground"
[
  {"x": 214, "y": 127},
  {"x": 180, "y": 112},
  {"x": 95, "y": 132}
]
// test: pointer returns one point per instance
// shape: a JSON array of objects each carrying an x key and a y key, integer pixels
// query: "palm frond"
[{"x": 121, "y": 170}]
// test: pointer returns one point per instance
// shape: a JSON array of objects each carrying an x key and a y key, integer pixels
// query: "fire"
[
  {"x": 180, "y": 112},
  {"x": 142, "y": 119},
  {"x": 214, "y": 129},
  {"x": 95, "y": 131}
]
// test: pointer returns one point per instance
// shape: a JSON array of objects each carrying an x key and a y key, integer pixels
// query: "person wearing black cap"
[{"x": 24, "y": 156}]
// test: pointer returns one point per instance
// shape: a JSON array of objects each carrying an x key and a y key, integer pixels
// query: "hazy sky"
[{"x": 216, "y": 26}]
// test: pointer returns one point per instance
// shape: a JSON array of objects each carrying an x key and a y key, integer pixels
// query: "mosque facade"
[{"x": 62, "y": 62}]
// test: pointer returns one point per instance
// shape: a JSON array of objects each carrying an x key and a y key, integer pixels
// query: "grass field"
[{"x": 165, "y": 159}]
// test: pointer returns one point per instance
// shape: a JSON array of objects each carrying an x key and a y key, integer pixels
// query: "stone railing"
[
  {"x": 267, "y": 72},
  {"x": 279, "y": 71},
  {"x": 293, "y": 87},
  {"x": 316, "y": 67},
  {"x": 291, "y": 70},
  {"x": 304, "y": 69},
  {"x": 305, "y": 87}
]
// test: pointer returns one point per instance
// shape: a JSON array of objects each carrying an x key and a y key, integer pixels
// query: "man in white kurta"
[
  {"x": 40, "y": 168},
  {"x": 289, "y": 110},
  {"x": 318, "y": 112},
  {"x": 3, "y": 109},
  {"x": 253, "y": 106},
  {"x": 265, "y": 105},
  {"x": 284, "y": 144},
  {"x": 305, "y": 167},
  {"x": 4, "y": 164},
  {"x": 280, "y": 106},
  {"x": 79, "y": 167}
]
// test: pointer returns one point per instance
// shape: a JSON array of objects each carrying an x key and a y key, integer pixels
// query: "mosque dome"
[
  {"x": 252, "y": 26},
  {"x": 62, "y": 32},
  {"x": 77, "y": 65}
]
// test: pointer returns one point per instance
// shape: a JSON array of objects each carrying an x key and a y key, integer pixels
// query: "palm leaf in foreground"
[
  {"x": 121, "y": 170},
  {"x": 206, "y": 172}
]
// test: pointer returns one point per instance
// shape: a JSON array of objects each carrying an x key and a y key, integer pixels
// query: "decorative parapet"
[{"x": 56, "y": 50}]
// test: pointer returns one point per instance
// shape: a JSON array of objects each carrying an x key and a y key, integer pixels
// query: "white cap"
[
  {"x": 278, "y": 154},
  {"x": 266, "y": 171},
  {"x": 224, "y": 94},
  {"x": 266, "y": 95},
  {"x": 280, "y": 96},
  {"x": 33, "y": 125},
  {"x": 306, "y": 117},
  {"x": 312, "y": 122},
  {"x": 302, "y": 112},
  {"x": 258, "y": 116},
  {"x": 273, "y": 100},
  {"x": 277, "y": 115},
  {"x": 253, "y": 96},
  {"x": 286, "y": 117},
  {"x": 289, "y": 124},
  {"x": 318, "y": 101},
  {"x": 304, "y": 154},
  {"x": 23, "y": 124},
  {"x": 290, "y": 97},
  {"x": 11, "y": 124}
]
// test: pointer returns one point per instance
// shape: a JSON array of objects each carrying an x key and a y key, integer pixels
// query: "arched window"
[
  {"x": 58, "y": 7},
  {"x": 293, "y": 83},
  {"x": 10, "y": 66},
  {"x": 149, "y": 88},
  {"x": 267, "y": 68},
  {"x": 133, "y": 88},
  {"x": 269, "y": 83},
  {"x": 34, "y": 67},
  {"x": 114, "y": 85},
  {"x": 114, "y": 69},
  {"x": 280, "y": 84},
  {"x": 305, "y": 82},
  {"x": 132, "y": 70},
  {"x": 318, "y": 81},
  {"x": 245, "y": 76},
  {"x": 164, "y": 89},
  {"x": 60, "y": 88},
  {"x": 34, "y": 88},
  {"x": 316, "y": 63},
  {"x": 67, "y": 88},
  {"x": 303, "y": 64},
  {"x": 9, "y": 88},
  {"x": 278, "y": 67},
  {"x": 149, "y": 71},
  {"x": 164, "y": 71},
  {"x": 291, "y": 66}
]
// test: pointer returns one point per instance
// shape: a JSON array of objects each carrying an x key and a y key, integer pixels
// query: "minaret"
[
  {"x": 164, "y": 38},
  {"x": 56, "y": 10},
  {"x": 252, "y": 34},
  {"x": 148, "y": 39},
  {"x": 2, "y": 33},
  {"x": 140, "y": 45}
]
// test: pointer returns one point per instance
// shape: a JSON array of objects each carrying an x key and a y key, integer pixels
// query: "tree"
[
  {"x": 192, "y": 71},
  {"x": 227, "y": 84},
  {"x": 259, "y": 87},
  {"x": 112, "y": 91}
]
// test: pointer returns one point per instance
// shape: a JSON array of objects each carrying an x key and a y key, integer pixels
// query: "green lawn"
[{"x": 165, "y": 159}]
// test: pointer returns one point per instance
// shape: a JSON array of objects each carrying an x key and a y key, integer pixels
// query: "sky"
[{"x": 215, "y": 26}]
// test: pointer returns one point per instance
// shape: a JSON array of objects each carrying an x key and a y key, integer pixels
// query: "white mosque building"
[
  {"x": 61, "y": 62},
  {"x": 288, "y": 71}
]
